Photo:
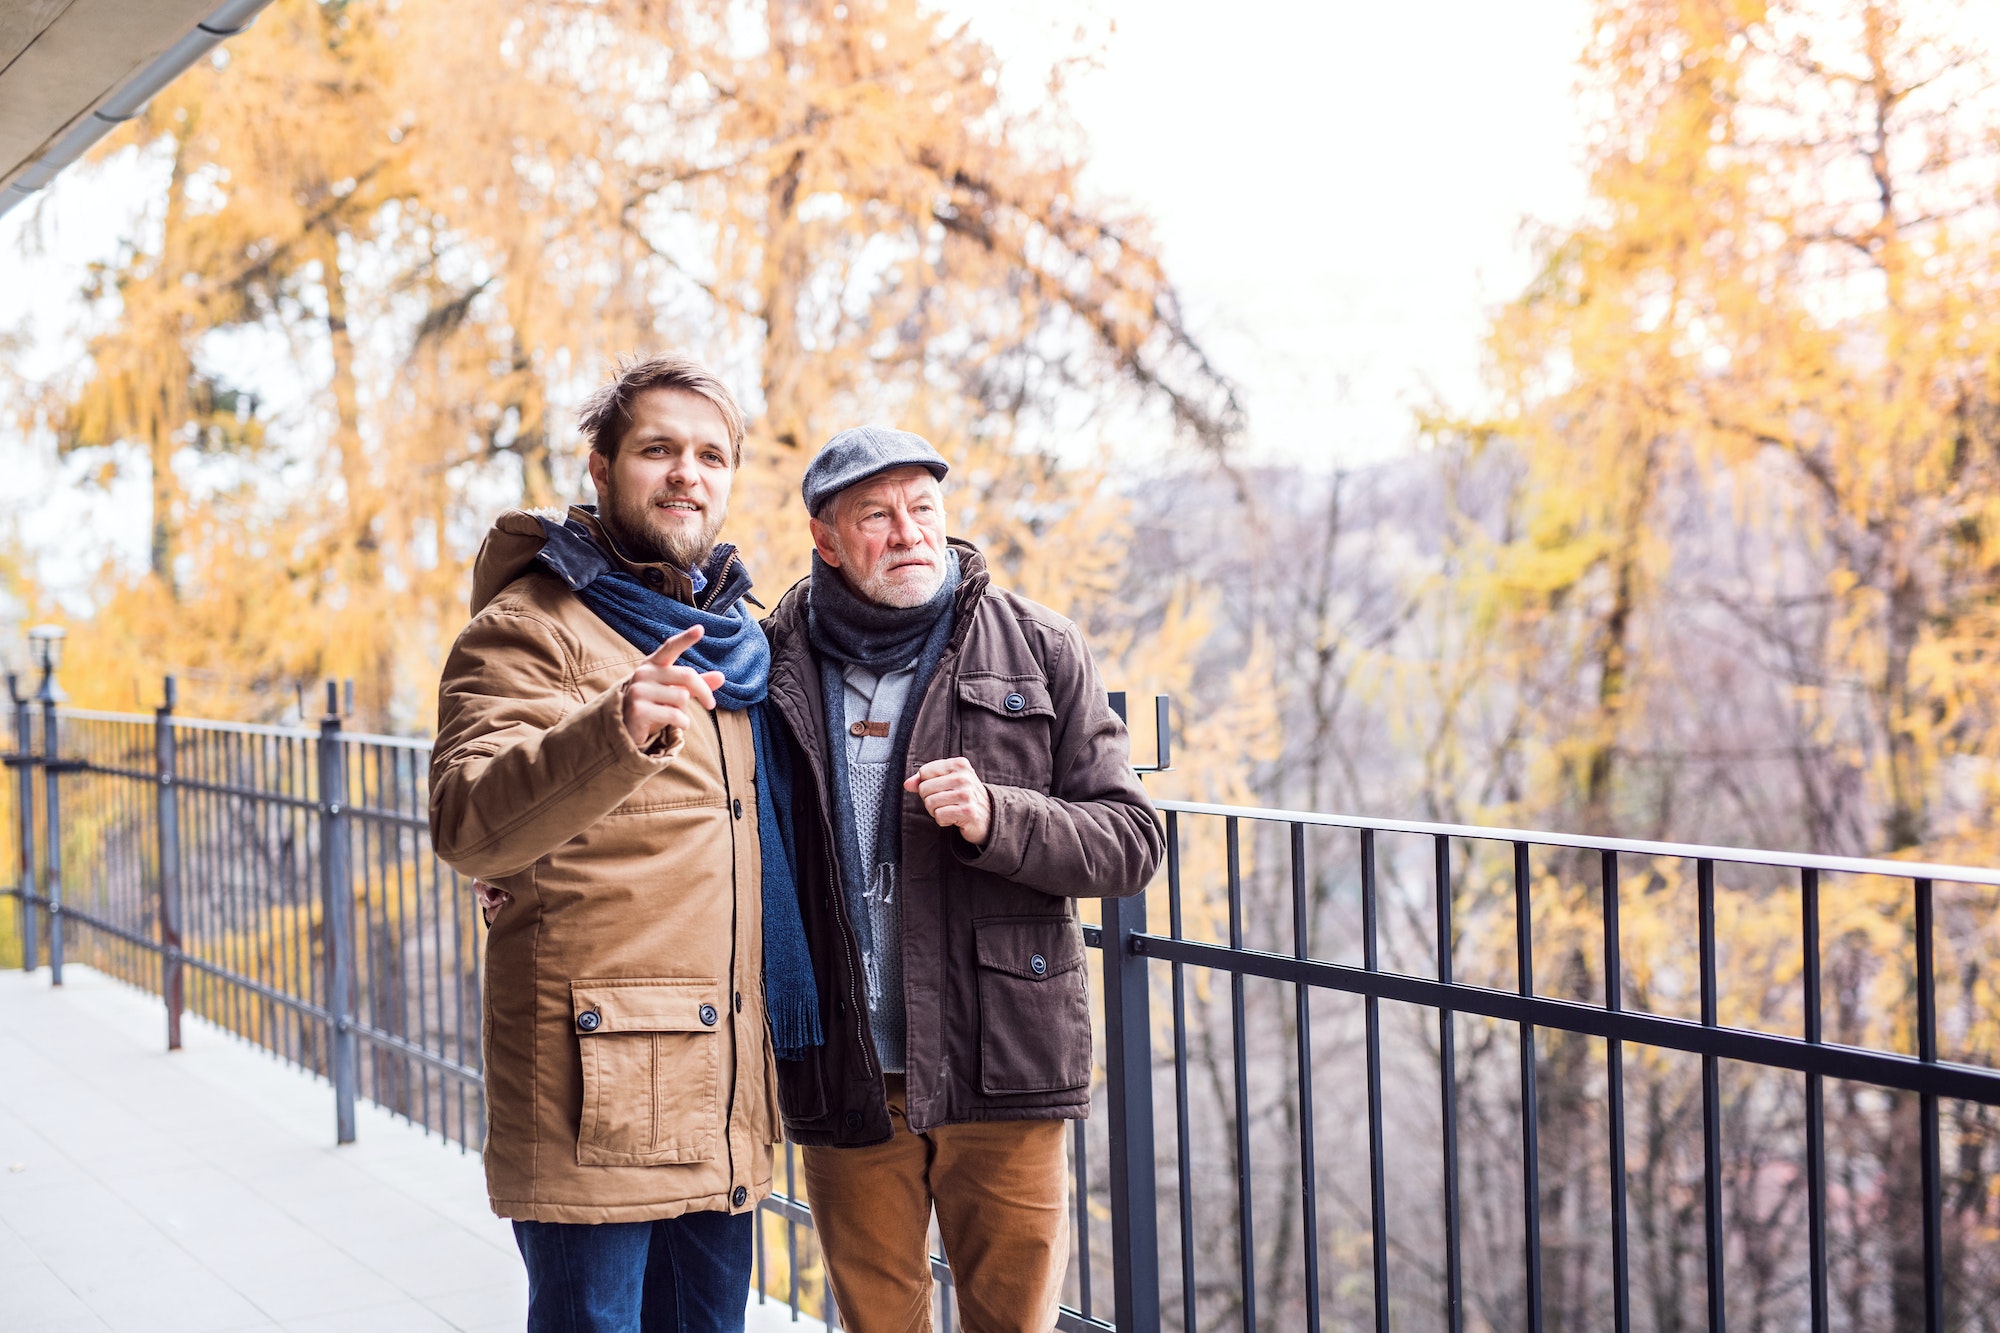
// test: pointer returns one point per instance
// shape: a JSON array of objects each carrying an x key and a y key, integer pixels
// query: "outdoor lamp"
[{"x": 45, "y": 642}]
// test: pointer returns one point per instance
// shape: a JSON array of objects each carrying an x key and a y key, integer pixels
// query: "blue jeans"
[{"x": 687, "y": 1274}]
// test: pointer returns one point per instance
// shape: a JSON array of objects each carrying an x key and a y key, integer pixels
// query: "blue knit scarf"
[{"x": 732, "y": 643}]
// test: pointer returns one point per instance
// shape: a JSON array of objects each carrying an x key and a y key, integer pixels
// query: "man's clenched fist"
[
  {"x": 955, "y": 797},
  {"x": 658, "y": 694}
]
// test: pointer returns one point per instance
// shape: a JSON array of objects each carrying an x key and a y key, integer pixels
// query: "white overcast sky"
[{"x": 1339, "y": 188}]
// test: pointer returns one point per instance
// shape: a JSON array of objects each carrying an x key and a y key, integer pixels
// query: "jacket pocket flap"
[
  {"x": 1034, "y": 948},
  {"x": 690, "y": 1004},
  {"x": 1017, "y": 697}
]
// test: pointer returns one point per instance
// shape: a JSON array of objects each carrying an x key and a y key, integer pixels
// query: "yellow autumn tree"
[
  {"x": 1750, "y": 438},
  {"x": 454, "y": 218}
]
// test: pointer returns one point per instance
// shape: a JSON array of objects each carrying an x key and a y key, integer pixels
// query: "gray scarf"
[{"x": 846, "y": 627}]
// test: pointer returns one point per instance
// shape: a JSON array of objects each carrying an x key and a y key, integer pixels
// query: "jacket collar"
[{"x": 577, "y": 562}]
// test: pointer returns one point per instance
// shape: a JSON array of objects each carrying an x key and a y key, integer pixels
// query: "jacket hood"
[{"x": 512, "y": 545}]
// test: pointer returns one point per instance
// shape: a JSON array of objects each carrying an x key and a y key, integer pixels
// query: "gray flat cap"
[{"x": 862, "y": 452}]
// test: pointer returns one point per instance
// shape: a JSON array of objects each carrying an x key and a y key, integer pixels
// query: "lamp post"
[
  {"x": 45, "y": 644},
  {"x": 23, "y": 762}
]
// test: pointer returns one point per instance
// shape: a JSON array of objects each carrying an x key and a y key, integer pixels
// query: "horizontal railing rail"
[{"x": 1351, "y": 1012}]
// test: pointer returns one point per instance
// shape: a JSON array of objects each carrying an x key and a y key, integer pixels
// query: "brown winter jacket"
[
  {"x": 628, "y": 1071},
  {"x": 993, "y": 969}
]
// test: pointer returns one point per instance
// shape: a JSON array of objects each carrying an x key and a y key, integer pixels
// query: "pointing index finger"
[{"x": 667, "y": 653}]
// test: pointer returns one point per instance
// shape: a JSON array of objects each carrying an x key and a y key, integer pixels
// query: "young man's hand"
[
  {"x": 660, "y": 689},
  {"x": 955, "y": 797}
]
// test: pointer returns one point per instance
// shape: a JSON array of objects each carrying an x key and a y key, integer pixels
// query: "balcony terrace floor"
[{"x": 202, "y": 1190}]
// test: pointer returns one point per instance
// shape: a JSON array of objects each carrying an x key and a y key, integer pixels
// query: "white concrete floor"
[{"x": 202, "y": 1190}]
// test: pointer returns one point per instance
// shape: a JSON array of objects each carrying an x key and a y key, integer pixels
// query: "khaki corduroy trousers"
[{"x": 999, "y": 1188}]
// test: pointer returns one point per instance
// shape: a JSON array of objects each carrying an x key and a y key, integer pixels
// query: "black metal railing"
[{"x": 1419, "y": 1075}]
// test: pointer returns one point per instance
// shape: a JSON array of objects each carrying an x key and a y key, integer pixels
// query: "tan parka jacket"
[{"x": 628, "y": 1067}]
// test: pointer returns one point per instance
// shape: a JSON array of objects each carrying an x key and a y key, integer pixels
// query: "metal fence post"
[
  {"x": 52, "y": 828},
  {"x": 1128, "y": 1087},
  {"x": 172, "y": 980},
  {"x": 337, "y": 908},
  {"x": 23, "y": 759}
]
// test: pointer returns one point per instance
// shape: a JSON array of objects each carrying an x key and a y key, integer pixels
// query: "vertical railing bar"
[
  {"x": 201, "y": 920},
  {"x": 409, "y": 910},
  {"x": 760, "y": 1273},
  {"x": 1308, "y": 1131},
  {"x": 270, "y": 944},
  {"x": 1080, "y": 1205},
  {"x": 52, "y": 833},
  {"x": 249, "y": 754},
  {"x": 1614, "y": 1100},
  {"x": 1183, "y": 1155},
  {"x": 280, "y": 829},
  {"x": 460, "y": 905},
  {"x": 222, "y": 918},
  {"x": 1246, "y": 1232},
  {"x": 412, "y": 892},
  {"x": 337, "y": 888},
  {"x": 172, "y": 980},
  {"x": 256, "y": 909},
  {"x": 437, "y": 933},
  {"x": 1711, "y": 1104},
  {"x": 1929, "y": 1147},
  {"x": 187, "y": 763},
  {"x": 371, "y": 944},
  {"x": 408, "y": 982},
  {"x": 1131, "y": 1167},
  {"x": 1371, "y": 1017},
  {"x": 792, "y": 1230},
  {"x": 1815, "y": 1106},
  {"x": 253, "y": 890},
  {"x": 1531, "y": 1152},
  {"x": 24, "y": 748},
  {"x": 221, "y": 994},
  {"x": 231, "y": 955},
  {"x": 1454, "y": 1273},
  {"x": 289, "y": 831}
]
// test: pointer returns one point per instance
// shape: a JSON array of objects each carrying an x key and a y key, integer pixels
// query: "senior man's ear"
[{"x": 822, "y": 536}]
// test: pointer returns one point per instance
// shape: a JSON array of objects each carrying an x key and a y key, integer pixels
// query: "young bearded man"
[
  {"x": 597, "y": 741},
  {"x": 959, "y": 781}
]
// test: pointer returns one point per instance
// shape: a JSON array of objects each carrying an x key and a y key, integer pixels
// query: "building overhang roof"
[{"x": 71, "y": 70}]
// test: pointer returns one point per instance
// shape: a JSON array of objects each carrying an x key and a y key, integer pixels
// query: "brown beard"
[{"x": 639, "y": 540}]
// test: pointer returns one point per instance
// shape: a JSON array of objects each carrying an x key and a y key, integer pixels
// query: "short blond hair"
[{"x": 607, "y": 414}]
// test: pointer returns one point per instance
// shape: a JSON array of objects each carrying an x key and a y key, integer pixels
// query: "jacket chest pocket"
[
  {"x": 1006, "y": 728},
  {"x": 651, "y": 1070},
  {"x": 1034, "y": 1015}
]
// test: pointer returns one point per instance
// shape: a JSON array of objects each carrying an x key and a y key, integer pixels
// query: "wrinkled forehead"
[{"x": 898, "y": 485}]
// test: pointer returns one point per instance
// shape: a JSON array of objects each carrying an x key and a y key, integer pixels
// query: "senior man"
[
  {"x": 960, "y": 781},
  {"x": 594, "y": 761}
]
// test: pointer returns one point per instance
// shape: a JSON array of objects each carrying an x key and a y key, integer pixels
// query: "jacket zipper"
[
  {"x": 716, "y": 584},
  {"x": 956, "y": 740}
]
